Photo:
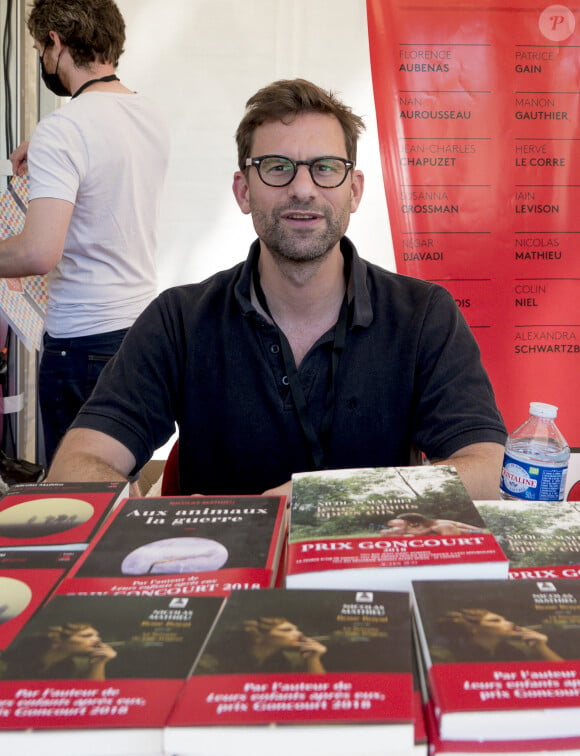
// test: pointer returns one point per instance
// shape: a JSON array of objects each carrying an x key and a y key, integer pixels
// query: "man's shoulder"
[
  {"x": 399, "y": 280},
  {"x": 401, "y": 287},
  {"x": 213, "y": 287},
  {"x": 93, "y": 108}
]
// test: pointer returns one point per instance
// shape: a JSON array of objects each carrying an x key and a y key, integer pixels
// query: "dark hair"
[
  {"x": 93, "y": 30},
  {"x": 285, "y": 99},
  {"x": 462, "y": 622},
  {"x": 25, "y": 656},
  {"x": 255, "y": 628},
  {"x": 414, "y": 518}
]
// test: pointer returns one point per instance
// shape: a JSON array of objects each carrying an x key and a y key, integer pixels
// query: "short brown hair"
[
  {"x": 283, "y": 100},
  {"x": 93, "y": 30}
]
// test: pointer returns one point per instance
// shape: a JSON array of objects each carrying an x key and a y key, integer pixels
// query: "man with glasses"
[{"x": 302, "y": 357}]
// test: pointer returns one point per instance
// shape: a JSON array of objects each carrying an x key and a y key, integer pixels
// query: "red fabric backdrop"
[{"x": 478, "y": 118}]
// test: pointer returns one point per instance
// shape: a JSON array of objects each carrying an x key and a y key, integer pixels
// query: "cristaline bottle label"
[{"x": 533, "y": 481}]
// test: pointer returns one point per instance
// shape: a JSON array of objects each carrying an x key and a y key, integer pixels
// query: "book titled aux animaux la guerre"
[{"x": 201, "y": 545}]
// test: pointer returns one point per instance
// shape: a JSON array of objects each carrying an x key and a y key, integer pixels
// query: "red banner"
[{"x": 477, "y": 111}]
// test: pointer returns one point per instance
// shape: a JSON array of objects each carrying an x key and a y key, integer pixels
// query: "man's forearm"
[
  {"x": 38, "y": 248},
  {"x": 479, "y": 467},
  {"x": 82, "y": 467},
  {"x": 87, "y": 455}
]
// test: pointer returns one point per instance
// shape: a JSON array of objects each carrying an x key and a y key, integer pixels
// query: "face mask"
[{"x": 52, "y": 80}]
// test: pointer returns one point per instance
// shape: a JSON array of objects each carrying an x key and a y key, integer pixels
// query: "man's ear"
[
  {"x": 56, "y": 41},
  {"x": 241, "y": 191},
  {"x": 356, "y": 190}
]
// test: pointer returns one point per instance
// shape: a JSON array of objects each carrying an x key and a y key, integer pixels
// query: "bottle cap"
[{"x": 540, "y": 409}]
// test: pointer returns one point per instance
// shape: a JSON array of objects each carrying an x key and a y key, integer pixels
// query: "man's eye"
[
  {"x": 326, "y": 167},
  {"x": 277, "y": 167}
]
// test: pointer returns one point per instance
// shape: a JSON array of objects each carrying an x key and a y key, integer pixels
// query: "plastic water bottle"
[{"x": 536, "y": 458}]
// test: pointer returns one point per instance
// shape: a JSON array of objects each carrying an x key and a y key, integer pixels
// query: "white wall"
[{"x": 201, "y": 60}]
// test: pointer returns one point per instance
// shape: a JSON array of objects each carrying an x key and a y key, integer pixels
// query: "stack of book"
[
  {"x": 44, "y": 527},
  {"x": 500, "y": 664},
  {"x": 381, "y": 528},
  {"x": 253, "y": 672},
  {"x": 188, "y": 546},
  {"x": 217, "y": 625},
  {"x": 96, "y": 675},
  {"x": 306, "y": 672},
  {"x": 541, "y": 541}
]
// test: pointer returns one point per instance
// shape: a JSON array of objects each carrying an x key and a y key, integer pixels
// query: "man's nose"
[{"x": 302, "y": 183}]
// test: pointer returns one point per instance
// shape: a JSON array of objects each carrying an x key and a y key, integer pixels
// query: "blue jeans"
[{"x": 68, "y": 372}]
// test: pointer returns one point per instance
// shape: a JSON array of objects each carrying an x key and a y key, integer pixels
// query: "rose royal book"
[
  {"x": 96, "y": 675},
  {"x": 290, "y": 672},
  {"x": 502, "y": 657}
]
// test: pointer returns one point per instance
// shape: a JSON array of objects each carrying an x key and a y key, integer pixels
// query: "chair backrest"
[{"x": 170, "y": 479}]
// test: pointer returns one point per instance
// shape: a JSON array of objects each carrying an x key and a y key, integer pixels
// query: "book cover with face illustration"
[
  {"x": 502, "y": 656},
  {"x": 301, "y": 660},
  {"x": 101, "y": 661}
]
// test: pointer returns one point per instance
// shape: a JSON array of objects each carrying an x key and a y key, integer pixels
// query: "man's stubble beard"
[{"x": 294, "y": 246}]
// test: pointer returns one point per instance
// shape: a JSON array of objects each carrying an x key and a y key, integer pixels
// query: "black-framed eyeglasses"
[{"x": 327, "y": 172}]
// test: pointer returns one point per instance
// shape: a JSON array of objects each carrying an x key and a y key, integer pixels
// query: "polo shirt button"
[
  {"x": 285, "y": 380},
  {"x": 274, "y": 348}
]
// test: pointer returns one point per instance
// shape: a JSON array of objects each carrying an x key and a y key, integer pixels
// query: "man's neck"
[
  {"x": 304, "y": 299},
  {"x": 79, "y": 76}
]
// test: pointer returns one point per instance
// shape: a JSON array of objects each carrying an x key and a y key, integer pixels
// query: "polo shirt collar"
[{"x": 358, "y": 294}]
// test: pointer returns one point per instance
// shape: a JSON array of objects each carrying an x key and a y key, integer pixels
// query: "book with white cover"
[{"x": 382, "y": 527}]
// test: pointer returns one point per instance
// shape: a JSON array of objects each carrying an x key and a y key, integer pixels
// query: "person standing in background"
[{"x": 97, "y": 167}]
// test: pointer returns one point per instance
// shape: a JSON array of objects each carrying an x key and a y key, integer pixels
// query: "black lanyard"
[
  {"x": 109, "y": 77},
  {"x": 318, "y": 443}
]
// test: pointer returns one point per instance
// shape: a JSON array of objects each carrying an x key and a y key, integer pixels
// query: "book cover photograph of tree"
[
  {"x": 379, "y": 501},
  {"x": 383, "y": 527},
  {"x": 540, "y": 541}
]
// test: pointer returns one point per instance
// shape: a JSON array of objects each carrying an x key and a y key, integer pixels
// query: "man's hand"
[
  {"x": 19, "y": 159},
  {"x": 284, "y": 490}
]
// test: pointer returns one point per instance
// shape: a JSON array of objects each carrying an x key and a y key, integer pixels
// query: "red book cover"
[
  {"x": 56, "y": 515},
  {"x": 420, "y": 723},
  {"x": 305, "y": 661},
  {"x": 27, "y": 579},
  {"x": 201, "y": 545},
  {"x": 110, "y": 664},
  {"x": 502, "y": 657},
  {"x": 383, "y": 527}
]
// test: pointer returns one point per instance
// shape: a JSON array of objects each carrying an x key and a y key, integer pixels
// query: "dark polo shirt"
[{"x": 206, "y": 357}]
